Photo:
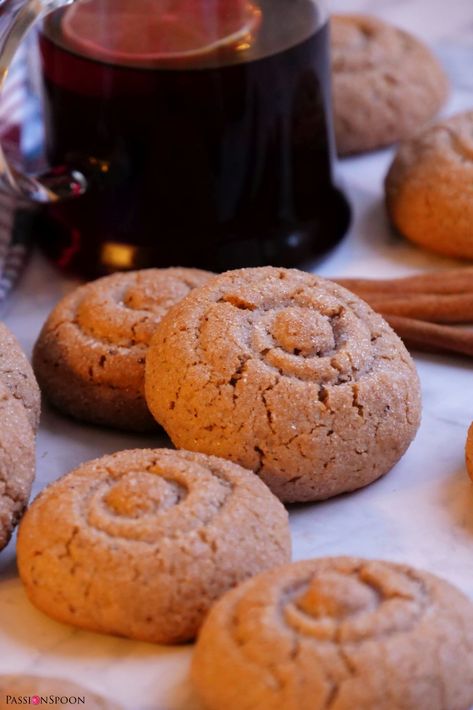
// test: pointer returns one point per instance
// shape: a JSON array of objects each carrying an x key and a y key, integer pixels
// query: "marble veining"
[{"x": 421, "y": 513}]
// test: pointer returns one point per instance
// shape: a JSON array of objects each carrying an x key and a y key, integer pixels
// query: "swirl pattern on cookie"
[
  {"x": 386, "y": 83},
  {"x": 338, "y": 634},
  {"x": 142, "y": 542},
  {"x": 17, "y": 375},
  {"x": 90, "y": 355},
  {"x": 287, "y": 374}
]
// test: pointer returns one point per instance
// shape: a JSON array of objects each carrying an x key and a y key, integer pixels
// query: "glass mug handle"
[{"x": 16, "y": 18}]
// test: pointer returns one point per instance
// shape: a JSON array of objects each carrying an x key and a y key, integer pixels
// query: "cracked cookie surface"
[
  {"x": 17, "y": 375},
  {"x": 287, "y": 374},
  {"x": 386, "y": 83},
  {"x": 338, "y": 634},
  {"x": 30, "y": 686},
  {"x": 89, "y": 358},
  {"x": 428, "y": 187},
  {"x": 17, "y": 461},
  {"x": 141, "y": 543}
]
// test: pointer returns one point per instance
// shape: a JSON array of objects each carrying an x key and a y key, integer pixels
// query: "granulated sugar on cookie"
[
  {"x": 19, "y": 418},
  {"x": 17, "y": 375},
  {"x": 428, "y": 187},
  {"x": 287, "y": 374},
  {"x": 386, "y": 83},
  {"x": 89, "y": 358},
  {"x": 141, "y": 543},
  {"x": 338, "y": 633},
  {"x": 17, "y": 462}
]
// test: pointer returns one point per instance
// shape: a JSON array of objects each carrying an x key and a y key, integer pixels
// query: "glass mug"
[{"x": 181, "y": 132}]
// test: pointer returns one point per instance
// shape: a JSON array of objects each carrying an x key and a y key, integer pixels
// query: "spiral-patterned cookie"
[
  {"x": 17, "y": 375},
  {"x": 287, "y": 374},
  {"x": 17, "y": 461},
  {"x": 428, "y": 187},
  {"x": 55, "y": 691},
  {"x": 90, "y": 355},
  {"x": 386, "y": 83},
  {"x": 338, "y": 634},
  {"x": 141, "y": 543}
]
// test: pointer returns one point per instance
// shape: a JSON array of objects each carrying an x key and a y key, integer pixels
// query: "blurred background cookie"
[
  {"x": 287, "y": 374},
  {"x": 341, "y": 633},
  {"x": 89, "y": 358},
  {"x": 17, "y": 375},
  {"x": 141, "y": 543},
  {"x": 386, "y": 83},
  {"x": 429, "y": 187}
]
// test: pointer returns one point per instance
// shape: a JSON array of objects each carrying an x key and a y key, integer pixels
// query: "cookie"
[
  {"x": 63, "y": 692},
  {"x": 339, "y": 633},
  {"x": 17, "y": 375},
  {"x": 89, "y": 358},
  {"x": 386, "y": 83},
  {"x": 428, "y": 187},
  {"x": 141, "y": 543},
  {"x": 287, "y": 374},
  {"x": 17, "y": 461}
]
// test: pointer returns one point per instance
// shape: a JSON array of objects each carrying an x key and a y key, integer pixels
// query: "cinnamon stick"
[
  {"x": 450, "y": 281},
  {"x": 420, "y": 308},
  {"x": 432, "y": 337},
  {"x": 436, "y": 308}
]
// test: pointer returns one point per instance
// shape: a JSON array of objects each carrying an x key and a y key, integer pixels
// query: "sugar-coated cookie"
[
  {"x": 17, "y": 375},
  {"x": 90, "y": 355},
  {"x": 386, "y": 83},
  {"x": 19, "y": 417},
  {"x": 62, "y": 692},
  {"x": 142, "y": 542},
  {"x": 287, "y": 374},
  {"x": 338, "y": 633},
  {"x": 17, "y": 461},
  {"x": 428, "y": 187}
]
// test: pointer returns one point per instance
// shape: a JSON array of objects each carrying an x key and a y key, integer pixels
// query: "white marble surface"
[{"x": 421, "y": 513}]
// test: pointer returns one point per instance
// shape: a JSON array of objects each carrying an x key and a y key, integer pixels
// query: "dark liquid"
[{"x": 220, "y": 164}]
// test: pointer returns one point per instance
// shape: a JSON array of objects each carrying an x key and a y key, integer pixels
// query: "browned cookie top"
[
  {"x": 386, "y": 83},
  {"x": 287, "y": 374},
  {"x": 338, "y": 633},
  {"x": 90, "y": 354},
  {"x": 17, "y": 375},
  {"x": 428, "y": 187},
  {"x": 142, "y": 542}
]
